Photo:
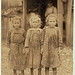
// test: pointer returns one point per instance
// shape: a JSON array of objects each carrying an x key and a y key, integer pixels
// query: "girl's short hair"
[
  {"x": 36, "y": 17},
  {"x": 49, "y": 16},
  {"x": 16, "y": 18}
]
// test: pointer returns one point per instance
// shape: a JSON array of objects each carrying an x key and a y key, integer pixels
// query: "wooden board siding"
[
  {"x": 68, "y": 22},
  {"x": 25, "y": 15},
  {"x": 60, "y": 15},
  {"x": 4, "y": 28}
]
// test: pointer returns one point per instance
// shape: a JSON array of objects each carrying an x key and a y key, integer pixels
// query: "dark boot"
[
  {"x": 32, "y": 73},
  {"x": 22, "y": 72},
  {"x": 39, "y": 71},
  {"x": 54, "y": 71},
  {"x": 47, "y": 71},
  {"x": 14, "y": 72}
]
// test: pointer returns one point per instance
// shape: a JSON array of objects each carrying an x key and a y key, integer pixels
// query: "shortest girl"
[
  {"x": 52, "y": 42},
  {"x": 15, "y": 41}
]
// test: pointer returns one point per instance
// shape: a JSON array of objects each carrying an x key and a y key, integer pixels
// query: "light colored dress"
[
  {"x": 51, "y": 57},
  {"x": 34, "y": 42},
  {"x": 15, "y": 41}
]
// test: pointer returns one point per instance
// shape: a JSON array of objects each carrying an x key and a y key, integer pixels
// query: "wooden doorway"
[{"x": 39, "y": 6}]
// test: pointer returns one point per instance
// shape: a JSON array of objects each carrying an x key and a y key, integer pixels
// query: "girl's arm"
[
  {"x": 27, "y": 39},
  {"x": 42, "y": 39},
  {"x": 26, "y": 47}
]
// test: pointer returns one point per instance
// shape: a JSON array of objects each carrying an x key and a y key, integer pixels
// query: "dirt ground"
[{"x": 66, "y": 68}]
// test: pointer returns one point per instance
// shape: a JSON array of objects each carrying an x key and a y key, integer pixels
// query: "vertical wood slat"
[
  {"x": 4, "y": 21},
  {"x": 2, "y": 28},
  {"x": 24, "y": 15},
  {"x": 60, "y": 15},
  {"x": 71, "y": 31},
  {"x": 68, "y": 22}
]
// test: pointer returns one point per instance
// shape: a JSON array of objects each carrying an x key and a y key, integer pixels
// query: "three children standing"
[{"x": 38, "y": 42}]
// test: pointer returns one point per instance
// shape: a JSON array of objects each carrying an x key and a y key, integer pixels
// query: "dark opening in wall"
[
  {"x": 39, "y": 6},
  {"x": 64, "y": 32},
  {"x": 43, "y": 9},
  {"x": 64, "y": 25}
]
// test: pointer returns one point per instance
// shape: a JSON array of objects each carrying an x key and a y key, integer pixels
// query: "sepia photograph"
[{"x": 37, "y": 37}]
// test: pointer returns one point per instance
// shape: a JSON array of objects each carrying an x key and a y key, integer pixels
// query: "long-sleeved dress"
[
  {"x": 34, "y": 42},
  {"x": 52, "y": 40},
  {"x": 15, "y": 41}
]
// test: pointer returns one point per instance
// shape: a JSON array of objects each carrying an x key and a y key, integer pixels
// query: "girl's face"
[
  {"x": 52, "y": 22},
  {"x": 17, "y": 23},
  {"x": 34, "y": 22}
]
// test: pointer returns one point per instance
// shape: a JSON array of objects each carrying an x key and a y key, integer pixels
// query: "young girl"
[
  {"x": 33, "y": 43},
  {"x": 52, "y": 41},
  {"x": 15, "y": 41}
]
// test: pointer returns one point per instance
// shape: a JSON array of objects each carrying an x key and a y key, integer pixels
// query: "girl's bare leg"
[
  {"x": 47, "y": 71},
  {"x": 22, "y": 72},
  {"x": 14, "y": 72},
  {"x": 32, "y": 73},
  {"x": 39, "y": 71},
  {"x": 54, "y": 71}
]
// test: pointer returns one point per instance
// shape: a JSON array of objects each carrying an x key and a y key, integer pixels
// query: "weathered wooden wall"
[
  {"x": 25, "y": 16},
  {"x": 60, "y": 15},
  {"x": 69, "y": 25},
  {"x": 4, "y": 21},
  {"x": 4, "y": 28}
]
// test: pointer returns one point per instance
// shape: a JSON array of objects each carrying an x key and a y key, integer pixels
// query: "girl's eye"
[{"x": 53, "y": 21}]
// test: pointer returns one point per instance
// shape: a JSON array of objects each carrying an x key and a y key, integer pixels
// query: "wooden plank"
[
  {"x": 24, "y": 14},
  {"x": 4, "y": 28},
  {"x": 71, "y": 32},
  {"x": 60, "y": 15},
  {"x": 68, "y": 22}
]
